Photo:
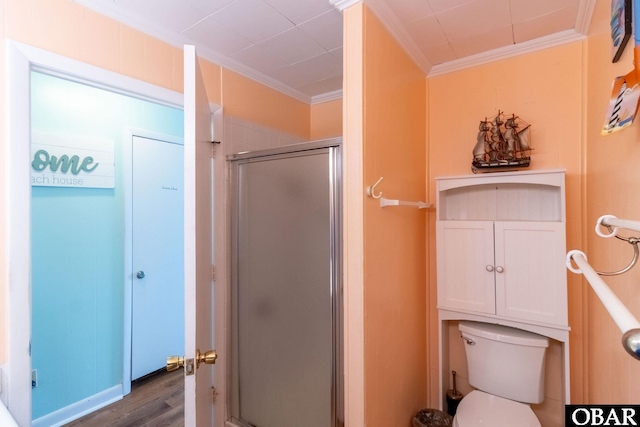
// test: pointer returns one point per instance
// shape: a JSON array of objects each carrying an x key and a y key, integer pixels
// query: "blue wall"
[{"x": 78, "y": 246}]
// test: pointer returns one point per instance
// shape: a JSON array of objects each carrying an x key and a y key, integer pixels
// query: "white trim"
[
  {"x": 392, "y": 23},
  {"x": 21, "y": 59},
  {"x": 6, "y": 419},
  {"x": 80, "y": 408},
  {"x": 341, "y": 5},
  {"x": 510, "y": 51},
  {"x": 71, "y": 69},
  {"x": 18, "y": 227},
  {"x": 395, "y": 27},
  {"x": 326, "y": 97},
  {"x": 178, "y": 40},
  {"x": 585, "y": 13},
  {"x": 127, "y": 146}
]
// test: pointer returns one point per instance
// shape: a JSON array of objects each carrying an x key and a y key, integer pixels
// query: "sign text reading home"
[{"x": 70, "y": 161}]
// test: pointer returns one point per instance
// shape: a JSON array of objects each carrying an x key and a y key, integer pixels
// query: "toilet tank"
[{"x": 505, "y": 362}]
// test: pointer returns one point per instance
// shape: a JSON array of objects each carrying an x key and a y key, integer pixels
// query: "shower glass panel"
[{"x": 285, "y": 302}]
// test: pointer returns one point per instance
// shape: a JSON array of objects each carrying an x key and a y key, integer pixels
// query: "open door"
[{"x": 198, "y": 243}]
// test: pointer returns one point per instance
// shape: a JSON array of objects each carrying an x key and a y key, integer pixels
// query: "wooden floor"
[{"x": 156, "y": 400}]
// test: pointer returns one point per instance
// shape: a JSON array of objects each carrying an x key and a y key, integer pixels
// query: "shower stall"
[{"x": 286, "y": 297}]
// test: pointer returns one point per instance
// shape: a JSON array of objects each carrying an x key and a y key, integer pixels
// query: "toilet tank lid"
[{"x": 503, "y": 333}]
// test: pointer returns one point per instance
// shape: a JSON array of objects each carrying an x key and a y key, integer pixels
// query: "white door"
[
  {"x": 157, "y": 329},
  {"x": 198, "y": 243}
]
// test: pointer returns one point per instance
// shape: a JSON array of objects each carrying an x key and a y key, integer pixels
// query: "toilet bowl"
[{"x": 480, "y": 409}]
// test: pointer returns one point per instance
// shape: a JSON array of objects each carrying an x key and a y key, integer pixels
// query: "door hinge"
[
  {"x": 214, "y": 394},
  {"x": 213, "y": 272}
]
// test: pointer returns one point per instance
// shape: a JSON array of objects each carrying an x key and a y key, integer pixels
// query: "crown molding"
[
  {"x": 391, "y": 22},
  {"x": 553, "y": 40},
  {"x": 178, "y": 40},
  {"x": 326, "y": 97},
  {"x": 394, "y": 26},
  {"x": 343, "y": 4},
  {"x": 585, "y": 13}
]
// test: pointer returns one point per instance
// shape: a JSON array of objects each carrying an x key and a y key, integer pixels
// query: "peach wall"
[
  {"x": 612, "y": 182},
  {"x": 544, "y": 88},
  {"x": 326, "y": 119},
  {"x": 242, "y": 97},
  {"x": 81, "y": 34},
  {"x": 394, "y": 238}
]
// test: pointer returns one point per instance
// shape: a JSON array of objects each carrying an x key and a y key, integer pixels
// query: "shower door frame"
[{"x": 334, "y": 148}]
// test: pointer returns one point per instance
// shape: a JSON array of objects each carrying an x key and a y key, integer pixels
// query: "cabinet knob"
[
  {"x": 489, "y": 268},
  {"x": 499, "y": 269}
]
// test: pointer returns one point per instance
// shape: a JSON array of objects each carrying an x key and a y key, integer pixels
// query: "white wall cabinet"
[
  {"x": 504, "y": 268},
  {"x": 500, "y": 249}
]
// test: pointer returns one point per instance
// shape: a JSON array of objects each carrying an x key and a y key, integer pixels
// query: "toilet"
[{"x": 506, "y": 366}]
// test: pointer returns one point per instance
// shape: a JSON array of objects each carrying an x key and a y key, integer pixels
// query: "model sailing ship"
[{"x": 502, "y": 144}]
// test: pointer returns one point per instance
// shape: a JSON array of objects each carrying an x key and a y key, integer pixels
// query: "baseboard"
[{"x": 80, "y": 408}]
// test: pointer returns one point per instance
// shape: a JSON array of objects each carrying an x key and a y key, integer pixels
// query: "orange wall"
[
  {"x": 71, "y": 30},
  {"x": 243, "y": 97},
  {"x": 546, "y": 89},
  {"x": 563, "y": 92},
  {"x": 326, "y": 119},
  {"x": 394, "y": 238},
  {"x": 613, "y": 184}
]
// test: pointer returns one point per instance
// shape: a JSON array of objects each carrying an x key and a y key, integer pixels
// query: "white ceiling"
[{"x": 296, "y": 45}]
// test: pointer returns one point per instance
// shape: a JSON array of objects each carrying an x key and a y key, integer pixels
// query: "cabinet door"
[
  {"x": 531, "y": 285},
  {"x": 464, "y": 251}
]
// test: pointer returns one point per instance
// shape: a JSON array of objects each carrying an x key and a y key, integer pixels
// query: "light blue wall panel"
[{"x": 78, "y": 246}]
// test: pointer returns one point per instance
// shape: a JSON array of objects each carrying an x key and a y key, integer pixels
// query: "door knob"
[
  {"x": 489, "y": 268},
  {"x": 500, "y": 269},
  {"x": 140, "y": 274},
  {"x": 174, "y": 362},
  {"x": 208, "y": 358},
  {"x": 177, "y": 362}
]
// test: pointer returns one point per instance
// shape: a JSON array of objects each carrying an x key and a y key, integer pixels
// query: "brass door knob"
[
  {"x": 208, "y": 358},
  {"x": 174, "y": 362}
]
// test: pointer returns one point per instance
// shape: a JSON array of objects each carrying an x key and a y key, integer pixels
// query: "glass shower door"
[{"x": 284, "y": 299}]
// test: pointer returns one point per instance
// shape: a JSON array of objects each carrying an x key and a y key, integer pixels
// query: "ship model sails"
[{"x": 502, "y": 144}]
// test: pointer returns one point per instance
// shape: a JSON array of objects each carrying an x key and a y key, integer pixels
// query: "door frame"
[
  {"x": 21, "y": 59},
  {"x": 129, "y": 133}
]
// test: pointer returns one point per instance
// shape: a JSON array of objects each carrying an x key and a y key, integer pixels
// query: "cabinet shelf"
[{"x": 523, "y": 196}]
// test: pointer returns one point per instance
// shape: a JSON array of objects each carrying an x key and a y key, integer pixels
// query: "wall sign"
[{"x": 59, "y": 160}]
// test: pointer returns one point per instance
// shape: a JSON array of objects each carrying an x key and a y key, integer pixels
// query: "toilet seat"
[{"x": 480, "y": 409}]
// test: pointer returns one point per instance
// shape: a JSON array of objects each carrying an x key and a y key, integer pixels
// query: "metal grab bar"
[
  {"x": 612, "y": 224},
  {"x": 626, "y": 322}
]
